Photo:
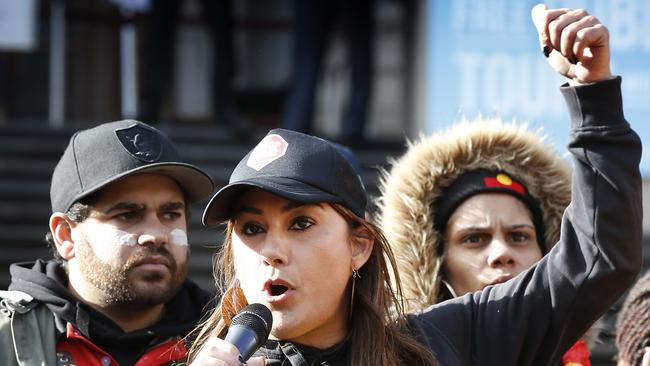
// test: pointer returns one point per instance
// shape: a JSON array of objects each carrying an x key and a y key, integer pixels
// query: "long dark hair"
[{"x": 378, "y": 328}]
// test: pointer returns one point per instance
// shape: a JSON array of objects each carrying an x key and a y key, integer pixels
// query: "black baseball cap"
[
  {"x": 102, "y": 155},
  {"x": 294, "y": 166}
]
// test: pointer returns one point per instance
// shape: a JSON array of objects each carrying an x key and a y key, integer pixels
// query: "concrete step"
[{"x": 19, "y": 167}]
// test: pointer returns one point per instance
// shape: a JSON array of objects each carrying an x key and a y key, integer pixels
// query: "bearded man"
[{"x": 116, "y": 292}]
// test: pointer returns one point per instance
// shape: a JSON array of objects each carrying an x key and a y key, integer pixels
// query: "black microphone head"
[{"x": 256, "y": 317}]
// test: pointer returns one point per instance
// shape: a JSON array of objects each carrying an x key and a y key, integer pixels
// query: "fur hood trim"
[{"x": 433, "y": 163}]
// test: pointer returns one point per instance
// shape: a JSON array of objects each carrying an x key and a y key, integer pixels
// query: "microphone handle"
[{"x": 244, "y": 339}]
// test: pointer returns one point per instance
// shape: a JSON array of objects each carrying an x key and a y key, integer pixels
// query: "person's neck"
[
  {"x": 324, "y": 337},
  {"x": 132, "y": 317},
  {"x": 129, "y": 317},
  {"x": 322, "y": 342}
]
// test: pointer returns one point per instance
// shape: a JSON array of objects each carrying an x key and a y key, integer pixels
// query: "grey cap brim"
[
  {"x": 220, "y": 207},
  {"x": 195, "y": 184}
]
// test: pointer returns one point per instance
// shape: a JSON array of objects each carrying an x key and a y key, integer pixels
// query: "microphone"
[{"x": 249, "y": 329}]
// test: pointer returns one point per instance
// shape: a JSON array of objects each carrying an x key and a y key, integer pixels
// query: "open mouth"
[{"x": 277, "y": 290}]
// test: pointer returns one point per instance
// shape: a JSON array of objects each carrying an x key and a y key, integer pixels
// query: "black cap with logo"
[
  {"x": 102, "y": 155},
  {"x": 294, "y": 166}
]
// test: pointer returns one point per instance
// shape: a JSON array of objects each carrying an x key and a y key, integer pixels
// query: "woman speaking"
[{"x": 297, "y": 241}]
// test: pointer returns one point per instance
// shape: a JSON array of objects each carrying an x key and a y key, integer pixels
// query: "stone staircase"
[{"x": 29, "y": 152}]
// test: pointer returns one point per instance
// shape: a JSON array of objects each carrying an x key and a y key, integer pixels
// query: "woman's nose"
[
  {"x": 500, "y": 253},
  {"x": 274, "y": 251}
]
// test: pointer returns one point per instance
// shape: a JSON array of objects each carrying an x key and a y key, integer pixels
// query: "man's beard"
[{"x": 115, "y": 284}]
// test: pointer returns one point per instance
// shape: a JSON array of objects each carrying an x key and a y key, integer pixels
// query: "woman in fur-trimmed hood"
[{"x": 414, "y": 187}]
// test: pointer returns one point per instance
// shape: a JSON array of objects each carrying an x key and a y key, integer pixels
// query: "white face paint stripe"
[
  {"x": 110, "y": 236},
  {"x": 106, "y": 239},
  {"x": 123, "y": 238},
  {"x": 179, "y": 237}
]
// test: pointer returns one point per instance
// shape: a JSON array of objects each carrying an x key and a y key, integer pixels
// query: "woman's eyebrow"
[{"x": 519, "y": 226}]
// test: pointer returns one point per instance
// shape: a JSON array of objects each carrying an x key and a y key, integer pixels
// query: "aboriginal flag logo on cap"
[
  {"x": 269, "y": 149},
  {"x": 141, "y": 142}
]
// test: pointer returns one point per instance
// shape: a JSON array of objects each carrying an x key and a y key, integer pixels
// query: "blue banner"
[{"x": 484, "y": 58}]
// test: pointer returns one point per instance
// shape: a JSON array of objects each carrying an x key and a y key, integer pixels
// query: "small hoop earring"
[{"x": 355, "y": 275}]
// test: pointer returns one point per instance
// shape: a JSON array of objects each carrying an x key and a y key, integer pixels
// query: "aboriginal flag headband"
[{"x": 485, "y": 181}]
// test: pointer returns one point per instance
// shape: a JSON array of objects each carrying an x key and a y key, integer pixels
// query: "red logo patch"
[{"x": 269, "y": 149}]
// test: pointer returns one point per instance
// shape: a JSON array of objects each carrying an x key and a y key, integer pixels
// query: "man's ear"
[
  {"x": 362, "y": 242},
  {"x": 61, "y": 228}
]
